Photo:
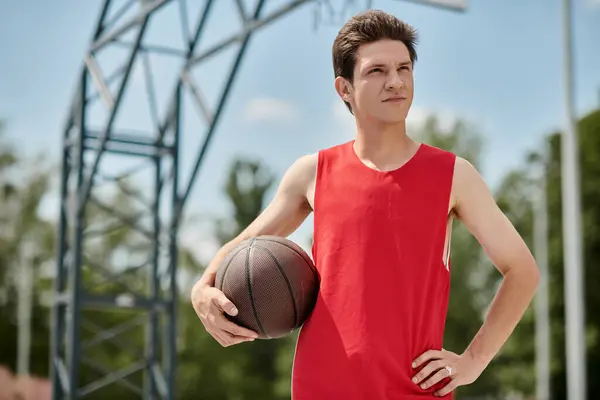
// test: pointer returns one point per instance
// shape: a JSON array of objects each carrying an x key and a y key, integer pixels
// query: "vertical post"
[
  {"x": 25, "y": 284},
  {"x": 572, "y": 242},
  {"x": 152, "y": 337},
  {"x": 173, "y": 247},
  {"x": 74, "y": 303},
  {"x": 152, "y": 334},
  {"x": 58, "y": 308},
  {"x": 542, "y": 314}
]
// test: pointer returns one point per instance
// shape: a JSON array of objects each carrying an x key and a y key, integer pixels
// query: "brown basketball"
[{"x": 272, "y": 282}]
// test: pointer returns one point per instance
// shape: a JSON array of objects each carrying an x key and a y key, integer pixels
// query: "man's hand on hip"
[{"x": 461, "y": 369}]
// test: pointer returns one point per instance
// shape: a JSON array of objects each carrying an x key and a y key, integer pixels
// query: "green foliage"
[
  {"x": 516, "y": 363},
  {"x": 462, "y": 139},
  {"x": 262, "y": 369},
  {"x": 246, "y": 186},
  {"x": 25, "y": 239},
  {"x": 589, "y": 148}
]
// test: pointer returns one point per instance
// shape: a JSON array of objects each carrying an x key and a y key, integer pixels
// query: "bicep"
[
  {"x": 476, "y": 208},
  {"x": 289, "y": 207}
]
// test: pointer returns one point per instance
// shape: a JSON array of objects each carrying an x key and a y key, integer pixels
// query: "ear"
[{"x": 343, "y": 88}]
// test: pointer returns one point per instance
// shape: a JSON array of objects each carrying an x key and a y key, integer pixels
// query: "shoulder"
[
  {"x": 301, "y": 173},
  {"x": 306, "y": 164},
  {"x": 464, "y": 171},
  {"x": 304, "y": 168},
  {"x": 468, "y": 184}
]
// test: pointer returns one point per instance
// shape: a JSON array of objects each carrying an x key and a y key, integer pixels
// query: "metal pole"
[
  {"x": 542, "y": 314},
  {"x": 572, "y": 242},
  {"x": 25, "y": 283}
]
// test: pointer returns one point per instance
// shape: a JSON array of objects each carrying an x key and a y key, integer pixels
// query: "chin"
[{"x": 393, "y": 119}]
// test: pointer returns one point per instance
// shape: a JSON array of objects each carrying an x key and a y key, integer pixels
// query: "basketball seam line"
[
  {"x": 287, "y": 281},
  {"x": 227, "y": 267},
  {"x": 308, "y": 261},
  {"x": 250, "y": 294}
]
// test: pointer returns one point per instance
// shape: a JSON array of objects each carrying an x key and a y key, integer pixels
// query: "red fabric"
[{"x": 379, "y": 240}]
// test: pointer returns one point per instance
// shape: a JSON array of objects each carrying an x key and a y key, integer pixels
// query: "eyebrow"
[{"x": 379, "y": 65}]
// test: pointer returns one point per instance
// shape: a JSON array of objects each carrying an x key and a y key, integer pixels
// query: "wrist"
[{"x": 477, "y": 357}]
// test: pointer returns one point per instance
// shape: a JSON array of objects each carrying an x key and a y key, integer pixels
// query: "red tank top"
[{"x": 378, "y": 245}]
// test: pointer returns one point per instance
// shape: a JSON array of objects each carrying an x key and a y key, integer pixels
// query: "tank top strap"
[
  {"x": 331, "y": 160},
  {"x": 435, "y": 175}
]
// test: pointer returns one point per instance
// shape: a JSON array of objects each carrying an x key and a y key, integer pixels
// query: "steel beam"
[{"x": 86, "y": 287}]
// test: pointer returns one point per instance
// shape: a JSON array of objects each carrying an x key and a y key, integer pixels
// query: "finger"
[
  {"x": 427, "y": 356},
  {"x": 231, "y": 340},
  {"x": 437, "y": 377},
  {"x": 446, "y": 389},
  {"x": 234, "y": 329},
  {"x": 234, "y": 339},
  {"x": 218, "y": 338},
  {"x": 224, "y": 304},
  {"x": 222, "y": 336},
  {"x": 428, "y": 370}
]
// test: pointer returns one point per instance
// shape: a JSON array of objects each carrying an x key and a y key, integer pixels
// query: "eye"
[
  {"x": 405, "y": 68},
  {"x": 375, "y": 70}
]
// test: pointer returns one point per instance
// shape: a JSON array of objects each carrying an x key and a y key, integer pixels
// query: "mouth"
[{"x": 394, "y": 100}]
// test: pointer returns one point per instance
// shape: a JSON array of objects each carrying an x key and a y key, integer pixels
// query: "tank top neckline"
[{"x": 401, "y": 168}]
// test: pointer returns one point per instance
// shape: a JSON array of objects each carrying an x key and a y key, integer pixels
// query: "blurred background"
[{"x": 137, "y": 136}]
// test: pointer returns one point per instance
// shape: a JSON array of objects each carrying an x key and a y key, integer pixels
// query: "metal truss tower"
[{"x": 122, "y": 193}]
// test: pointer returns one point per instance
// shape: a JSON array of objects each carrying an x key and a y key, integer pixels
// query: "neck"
[{"x": 383, "y": 146}]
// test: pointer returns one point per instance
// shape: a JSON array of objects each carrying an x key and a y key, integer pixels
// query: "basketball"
[{"x": 272, "y": 282}]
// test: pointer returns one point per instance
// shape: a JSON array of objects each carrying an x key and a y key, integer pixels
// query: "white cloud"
[{"x": 266, "y": 109}]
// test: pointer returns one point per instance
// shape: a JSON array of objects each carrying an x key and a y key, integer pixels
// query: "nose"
[{"x": 394, "y": 81}]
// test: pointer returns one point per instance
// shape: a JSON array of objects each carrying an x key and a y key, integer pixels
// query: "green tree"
[
  {"x": 514, "y": 367},
  {"x": 26, "y": 241},
  {"x": 517, "y": 372},
  {"x": 8, "y": 159},
  {"x": 246, "y": 187}
]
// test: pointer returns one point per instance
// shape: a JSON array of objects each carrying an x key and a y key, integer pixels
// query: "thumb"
[{"x": 225, "y": 304}]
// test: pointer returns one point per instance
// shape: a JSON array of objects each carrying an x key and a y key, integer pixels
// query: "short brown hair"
[{"x": 368, "y": 27}]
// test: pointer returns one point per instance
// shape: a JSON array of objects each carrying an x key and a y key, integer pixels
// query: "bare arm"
[
  {"x": 284, "y": 214},
  {"x": 477, "y": 209}
]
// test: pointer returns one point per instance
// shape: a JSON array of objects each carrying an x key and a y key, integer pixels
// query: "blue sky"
[{"x": 499, "y": 65}]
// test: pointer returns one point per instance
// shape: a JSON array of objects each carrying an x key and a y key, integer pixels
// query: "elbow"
[
  {"x": 530, "y": 275},
  {"x": 526, "y": 273}
]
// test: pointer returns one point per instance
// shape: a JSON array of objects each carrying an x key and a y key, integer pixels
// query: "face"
[{"x": 382, "y": 88}]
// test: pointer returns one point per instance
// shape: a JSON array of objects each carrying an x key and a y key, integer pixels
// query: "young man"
[{"x": 383, "y": 206}]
